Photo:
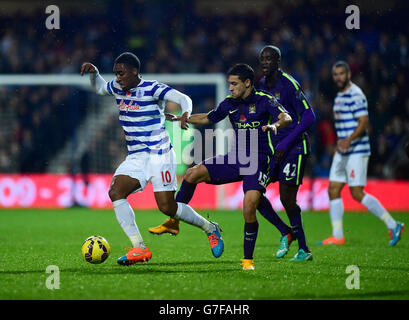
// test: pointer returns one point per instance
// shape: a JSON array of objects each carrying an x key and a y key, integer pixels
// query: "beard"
[{"x": 342, "y": 85}]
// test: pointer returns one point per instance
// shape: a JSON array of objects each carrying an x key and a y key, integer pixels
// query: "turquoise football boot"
[
  {"x": 216, "y": 241},
  {"x": 396, "y": 233},
  {"x": 302, "y": 256},
  {"x": 285, "y": 242}
]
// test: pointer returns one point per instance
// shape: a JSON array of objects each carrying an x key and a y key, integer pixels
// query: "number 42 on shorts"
[{"x": 290, "y": 171}]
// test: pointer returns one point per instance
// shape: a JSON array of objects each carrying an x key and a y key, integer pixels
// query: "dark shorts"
[
  {"x": 254, "y": 176},
  {"x": 290, "y": 170}
]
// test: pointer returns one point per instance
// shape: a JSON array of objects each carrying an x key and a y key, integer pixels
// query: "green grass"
[{"x": 183, "y": 267}]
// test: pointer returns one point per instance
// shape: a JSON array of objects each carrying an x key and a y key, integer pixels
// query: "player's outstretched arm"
[
  {"x": 199, "y": 118},
  {"x": 97, "y": 82},
  {"x": 185, "y": 104},
  {"x": 183, "y": 119},
  {"x": 171, "y": 117},
  {"x": 284, "y": 119}
]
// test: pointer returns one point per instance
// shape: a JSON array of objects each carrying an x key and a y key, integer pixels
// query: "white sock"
[
  {"x": 188, "y": 215},
  {"x": 126, "y": 218},
  {"x": 375, "y": 207},
  {"x": 336, "y": 212}
]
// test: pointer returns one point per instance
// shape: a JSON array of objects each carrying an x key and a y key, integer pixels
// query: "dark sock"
[
  {"x": 296, "y": 224},
  {"x": 267, "y": 211},
  {"x": 250, "y": 237},
  {"x": 186, "y": 192}
]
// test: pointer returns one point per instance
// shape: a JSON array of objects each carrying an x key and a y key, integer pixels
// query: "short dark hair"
[
  {"x": 342, "y": 63},
  {"x": 130, "y": 59},
  {"x": 276, "y": 51},
  {"x": 243, "y": 71}
]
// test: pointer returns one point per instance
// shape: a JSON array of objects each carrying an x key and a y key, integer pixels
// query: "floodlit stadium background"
[{"x": 60, "y": 143}]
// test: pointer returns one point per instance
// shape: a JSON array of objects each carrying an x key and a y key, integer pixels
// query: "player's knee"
[
  {"x": 190, "y": 175},
  {"x": 114, "y": 194},
  {"x": 356, "y": 197},
  {"x": 251, "y": 205},
  {"x": 249, "y": 216},
  {"x": 249, "y": 210},
  {"x": 357, "y": 194},
  {"x": 196, "y": 174},
  {"x": 290, "y": 206},
  {"x": 334, "y": 192},
  {"x": 168, "y": 208},
  {"x": 289, "y": 203}
]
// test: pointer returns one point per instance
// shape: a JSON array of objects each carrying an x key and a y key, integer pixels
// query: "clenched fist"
[{"x": 88, "y": 67}]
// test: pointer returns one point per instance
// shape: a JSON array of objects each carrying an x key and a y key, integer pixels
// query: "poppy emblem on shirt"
[
  {"x": 252, "y": 108},
  {"x": 242, "y": 118}
]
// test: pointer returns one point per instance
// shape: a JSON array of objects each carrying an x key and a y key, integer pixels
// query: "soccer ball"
[{"x": 95, "y": 249}]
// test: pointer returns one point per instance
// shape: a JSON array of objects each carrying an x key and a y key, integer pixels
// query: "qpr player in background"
[
  {"x": 151, "y": 158},
  {"x": 350, "y": 162}
]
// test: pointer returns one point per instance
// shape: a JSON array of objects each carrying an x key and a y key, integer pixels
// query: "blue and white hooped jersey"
[
  {"x": 141, "y": 114},
  {"x": 348, "y": 107}
]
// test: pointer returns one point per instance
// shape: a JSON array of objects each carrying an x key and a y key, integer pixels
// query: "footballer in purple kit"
[
  {"x": 292, "y": 147},
  {"x": 253, "y": 110},
  {"x": 250, "y": 112}
]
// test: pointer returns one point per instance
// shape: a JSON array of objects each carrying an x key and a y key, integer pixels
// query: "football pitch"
[{"x": 183, "y": 268}]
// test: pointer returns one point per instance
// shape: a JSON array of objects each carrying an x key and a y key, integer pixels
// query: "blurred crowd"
[
  {"x": 311, "y": 39},
  {"x": 35, "y": 122}
]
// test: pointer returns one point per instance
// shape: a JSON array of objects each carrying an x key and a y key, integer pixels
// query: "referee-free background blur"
[{"x": 60, "y": 144}]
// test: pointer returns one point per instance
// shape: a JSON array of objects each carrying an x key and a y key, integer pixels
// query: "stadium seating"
[{"x": 203, "y": 42}]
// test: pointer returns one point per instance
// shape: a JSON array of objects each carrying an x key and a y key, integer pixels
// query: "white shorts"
[
  {"x": 158, "y": 169},
  {"x": 351, "y": 169}
]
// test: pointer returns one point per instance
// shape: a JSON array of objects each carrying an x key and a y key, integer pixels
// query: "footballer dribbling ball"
[{"x": 95, "y": 249}]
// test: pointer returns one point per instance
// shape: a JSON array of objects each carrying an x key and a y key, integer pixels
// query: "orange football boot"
[
  {"x": 247, "y": 264},
  {"x": 333, "y": 240},
  {"x": 169, "y": 226},
  {"x": 135, "y": 255}
]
